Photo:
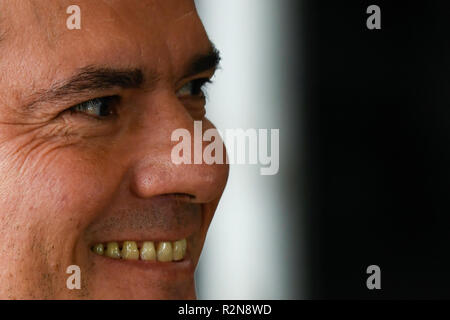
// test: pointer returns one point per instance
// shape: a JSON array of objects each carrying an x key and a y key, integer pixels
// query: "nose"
[{"x": 154, "y": 171}]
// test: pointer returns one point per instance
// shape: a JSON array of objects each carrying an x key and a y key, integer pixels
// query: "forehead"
[{"x": 157, "y": 34}]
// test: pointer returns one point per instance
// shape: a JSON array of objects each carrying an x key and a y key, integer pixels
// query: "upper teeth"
[{"x": 164, "y": 251}]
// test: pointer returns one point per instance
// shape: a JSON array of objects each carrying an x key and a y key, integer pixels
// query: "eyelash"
[
  {"x": 88, "y": 107},
  {"x": 196, "y": 88}
]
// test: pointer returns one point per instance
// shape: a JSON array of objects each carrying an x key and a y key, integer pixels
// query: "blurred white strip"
[{"x": 248, "y": 253}]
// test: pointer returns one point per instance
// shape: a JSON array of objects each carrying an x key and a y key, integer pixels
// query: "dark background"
[{"x": 377, "y": 135}]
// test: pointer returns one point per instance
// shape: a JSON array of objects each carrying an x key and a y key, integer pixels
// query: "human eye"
[
  {"x": 194, "y": 88},
  {"x": 100, "y": 108}
]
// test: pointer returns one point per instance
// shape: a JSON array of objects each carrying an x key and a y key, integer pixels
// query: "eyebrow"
[
  {"x": 92, "y": 78},
  {"x": 204, "y": 62},
  {"x": 87, "y": 79}
]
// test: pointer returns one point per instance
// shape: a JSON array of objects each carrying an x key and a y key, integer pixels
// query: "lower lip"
[{"x": 183, "y": 267}]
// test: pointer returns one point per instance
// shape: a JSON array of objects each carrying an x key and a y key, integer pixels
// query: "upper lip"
[
  {"x": 137, "y": 240},
  {"x": 159, "y": 219}
]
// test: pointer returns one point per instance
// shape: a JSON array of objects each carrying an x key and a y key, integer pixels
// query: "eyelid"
[
  {"x": 109, "y": 101},
  {"x": 199, "y": 82}
]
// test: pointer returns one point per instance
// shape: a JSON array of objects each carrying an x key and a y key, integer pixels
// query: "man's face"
[{"x": 86, "y": 118}]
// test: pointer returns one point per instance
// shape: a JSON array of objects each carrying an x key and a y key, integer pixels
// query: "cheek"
[
  {"x": 61, "y": 187},
  {"x": 50, "y": 190},
  {"x": 48, "y": 194}
]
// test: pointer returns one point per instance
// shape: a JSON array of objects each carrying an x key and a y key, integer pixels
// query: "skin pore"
[{"x": 86, "y": 118}]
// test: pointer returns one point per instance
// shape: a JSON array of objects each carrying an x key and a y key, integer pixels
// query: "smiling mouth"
[{"x": 163, "y": 251}]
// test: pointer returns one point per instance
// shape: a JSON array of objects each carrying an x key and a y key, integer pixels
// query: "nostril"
[{"x": 180, "y": 196}]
